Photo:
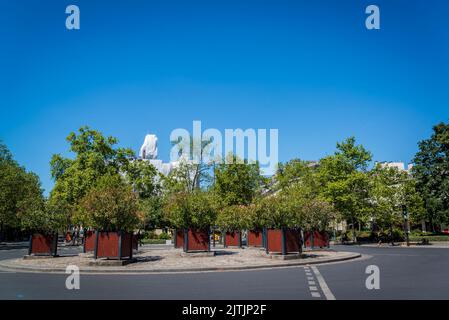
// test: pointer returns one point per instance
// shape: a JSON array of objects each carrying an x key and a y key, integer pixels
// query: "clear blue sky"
[{"x": 308, "y": 68}]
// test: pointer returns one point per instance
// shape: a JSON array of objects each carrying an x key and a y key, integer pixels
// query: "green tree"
[
  {"x": 297, "y": 172},
  {"x": 144, "y": 178},
  {"x": 152, "y": 208},
  {"x": 95, "y": 156},
  {"x": 237, "y": 182},
  {"x": 22, "y": 204},
  {"x": 197, "y": 209},
  {"x": 194, "y": 169},
  {"x": 344, "y": 181},
  {"x": 233, "y": 218},
  {"x": 281, "y": 210},
  {"x": 431, "y": 171},
  {"x": 110, "y": 205},
  {"x": 390, "y": 190}
]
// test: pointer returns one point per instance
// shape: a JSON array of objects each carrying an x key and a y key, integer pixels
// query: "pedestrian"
[{"x": 75, "y": 236}]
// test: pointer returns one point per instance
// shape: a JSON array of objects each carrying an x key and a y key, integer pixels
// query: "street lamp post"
[{"x": 406, "y": 225}]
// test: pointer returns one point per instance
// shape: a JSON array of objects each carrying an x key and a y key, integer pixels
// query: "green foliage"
[
  {"x": 95, "y": 157},
  {"x": 430, "y": 171},
  {"x": 110, "y": 205},
  {"x": 280, "y": 211},
  {"x": 298, "y": 173},
  {"x": 197, "y": 209},
  {"x": 152, "y": 209},
  {"x": 429, "y": 237},
  {"x": 193, "y": 171},
  {"x": 237, "y": 181},
  {"x": 256, "y": 217},
  {"x": 233, "y": 218},
  {"x": 144, "y": 178},
  {"x": 22, "y": 204},
  {"x": 153, "y": 241},
  {"x": 345, "y": 182},
  {"x": 165, "y": 236},
  {"x": 390, "y": 189}
]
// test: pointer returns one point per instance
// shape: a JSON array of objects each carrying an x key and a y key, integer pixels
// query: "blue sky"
[{"x": 308, "y": 68}]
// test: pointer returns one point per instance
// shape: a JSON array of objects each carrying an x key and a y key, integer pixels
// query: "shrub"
[
  {"x": 164, "y": 236},
  {"x": 233, "y": 218},
  {"x": 280, "y": 211},
  {"x": 191, "y": 210},
  {"x": 110, "y": 205}
]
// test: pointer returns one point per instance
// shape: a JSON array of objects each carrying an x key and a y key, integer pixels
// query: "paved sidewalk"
[
  {"x": 170, "y": 260},
  {"x": 435, "y": 244}
]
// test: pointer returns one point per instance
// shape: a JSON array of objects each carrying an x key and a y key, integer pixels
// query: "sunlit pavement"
[{"x": 405, "y": 273}]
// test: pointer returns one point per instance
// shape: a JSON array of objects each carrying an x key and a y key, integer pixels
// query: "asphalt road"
[{"x": 405, "y": 273}]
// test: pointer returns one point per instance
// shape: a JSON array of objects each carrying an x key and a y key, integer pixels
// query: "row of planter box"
[
  {"x": 103, "y": 244},
  {"x": 274, "y": 240},
  {"x": 120, "y": 245}
]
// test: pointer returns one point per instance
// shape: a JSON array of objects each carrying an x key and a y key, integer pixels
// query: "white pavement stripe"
[
  {"x": 316, "y": 295},
  {"x": 310, "y": 278},
  {"x": 327, "y": 292},
  {"x": 311, "y": 283},
  {"x": 312, "y": 288}
]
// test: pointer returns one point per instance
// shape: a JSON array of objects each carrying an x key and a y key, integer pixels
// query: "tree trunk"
[
  {"x": 391, "y": 235},
  {"x": 354, "y": 238},
  {"x": 423, "y": 225}
]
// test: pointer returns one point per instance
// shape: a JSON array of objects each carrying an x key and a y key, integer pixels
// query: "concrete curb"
[
  {"x": 345, "y": 256},
  {"x": 433, "y": 245}
]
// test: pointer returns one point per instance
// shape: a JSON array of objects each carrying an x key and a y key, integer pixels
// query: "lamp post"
[{"x": 406, "y": 225}]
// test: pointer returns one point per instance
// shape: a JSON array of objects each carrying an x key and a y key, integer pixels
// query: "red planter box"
[
  {"x": 44, "y": 245},
  {"x": 89, "y": 241},
  {"x": 179, "y": 238},
  {"x": 255, "y": 238},
  {"x": 233, "y": 239},
  {"x": 320, "y": 239},
  {"x": 292, "y": 241},
  {"x": 110, "y": 243},
  {"x": 198, "y": 240}
]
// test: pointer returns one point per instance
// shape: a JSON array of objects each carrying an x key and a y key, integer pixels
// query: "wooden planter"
[
  {"x": 89, "y": 241},
  {"x": 196, "y": 240},
  {"x": 43, "y": 244},
  {"x": 113, "y": 245},
  {"x": 283, "y": 241},
  {"x": 178, "y": 238},
  {"x": 232, "y": 239},
  {"x": 316, "y": 239},
  {"x": 255, "y": 238}
]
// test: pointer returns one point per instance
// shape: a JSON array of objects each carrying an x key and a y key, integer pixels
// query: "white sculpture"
[
  {"x": 148, "y": 152},
  {"x": 149, "y": 147}
]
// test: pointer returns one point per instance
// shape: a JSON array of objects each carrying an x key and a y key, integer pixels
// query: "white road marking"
[
  {"x": 311, "y": 283},
  {"x": 312, "y": 288},
  {"x": 316, "y": 295},
  {"x": 310, "y": 278},
  {"x": 327, "y": 292}
]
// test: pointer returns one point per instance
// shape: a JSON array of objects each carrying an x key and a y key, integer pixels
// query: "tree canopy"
[
  {"x": 110, "y": 205},
  {"x": 237, "y": 182},
  {"x": 22, "y": 204},
  {"x": 431, "y": 171}
]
